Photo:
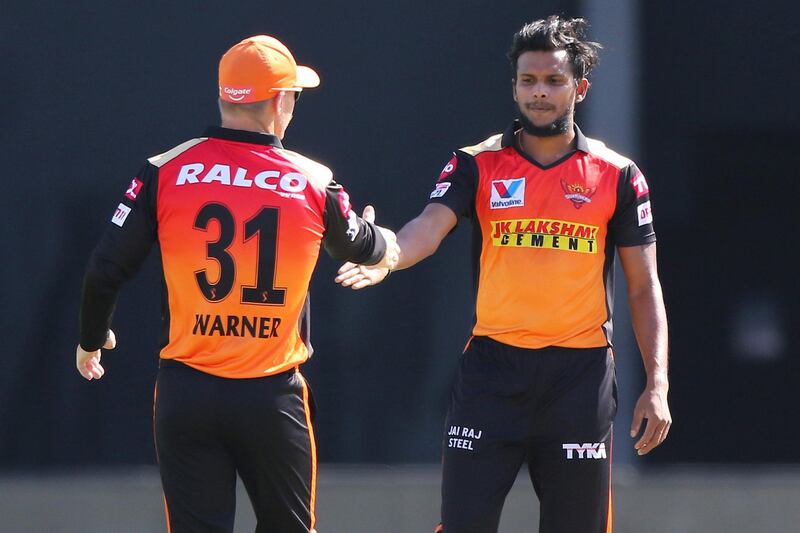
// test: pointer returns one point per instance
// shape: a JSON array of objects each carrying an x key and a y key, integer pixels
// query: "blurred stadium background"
[{"x": 700, "y": 94}]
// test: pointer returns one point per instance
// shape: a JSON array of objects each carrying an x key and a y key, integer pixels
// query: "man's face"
[{"x": 546, "y": 91}]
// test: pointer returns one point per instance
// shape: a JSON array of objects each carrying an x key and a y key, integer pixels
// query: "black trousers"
[
  {"x": 552, "y": 408},
  {"x": 208, "y": 429}
]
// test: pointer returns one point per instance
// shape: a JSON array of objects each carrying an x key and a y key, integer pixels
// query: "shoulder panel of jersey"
[
  {"x": 599, "y": 149},
  {"x": 162, "y": 159},
  {"x": 317, "y": 173},
  {"x": 240, "y": 226},
  {"x": 492, "y": 144}
]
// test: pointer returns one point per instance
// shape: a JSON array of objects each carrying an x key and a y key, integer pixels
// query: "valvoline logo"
[{"x": 508, "y": 193}]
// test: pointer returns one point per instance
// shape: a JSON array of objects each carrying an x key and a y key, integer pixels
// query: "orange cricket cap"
[{"x": 258, "y": 68}]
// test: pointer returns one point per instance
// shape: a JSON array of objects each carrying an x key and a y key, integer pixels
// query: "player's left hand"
[
  {"x": 88, "y": 363},
  {"x": 652, "y": 405},
  {"x": 360, "y": 276}
]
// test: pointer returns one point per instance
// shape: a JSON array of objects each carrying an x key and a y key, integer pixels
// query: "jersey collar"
[
  {"x": 509, "y": 137},
  {"x": 242, "y": 136}
]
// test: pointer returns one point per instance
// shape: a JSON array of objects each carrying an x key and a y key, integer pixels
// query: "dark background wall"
[
  {"x": 91, "y": 89},
  {"x": 721, "y": 130}
]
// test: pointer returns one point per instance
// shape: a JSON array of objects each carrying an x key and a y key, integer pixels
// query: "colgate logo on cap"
[{"x": 237, "y": 94}]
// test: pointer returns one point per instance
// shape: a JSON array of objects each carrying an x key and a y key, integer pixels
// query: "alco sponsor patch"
[
  {"x": 545, "y": 233},
  {"x": 120, "y": 214},
  {"x": 288, "y": 185},
  {"x": 508, "y": 193},
  {"x": 645, "y": 213},
  {"x": 440, "y": 189},
  {"x": 133, "y": 189}
]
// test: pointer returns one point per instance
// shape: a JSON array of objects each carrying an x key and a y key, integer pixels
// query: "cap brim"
[{"x": 306, "y": 77}]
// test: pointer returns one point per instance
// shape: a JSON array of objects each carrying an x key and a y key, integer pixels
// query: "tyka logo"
[
  {"x": 578, "y": 193},
  {"x": 587, "y": 450},
  {"x": 508, "y": 193}
]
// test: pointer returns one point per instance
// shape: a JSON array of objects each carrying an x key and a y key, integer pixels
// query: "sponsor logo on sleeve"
[
  {"x": 352, "y": 226},
  {"x": 645, "y": 213},
  {"x": 344, "y": 203},
  {"x": 133, "y": 189},
  {"x": 640, "y": 184},
  {"x": 440, "y": 189},
  {"x": 508, "y": 193},
  {"x": 347, "y": 212},
  {"x": 448, "y": 168},
  {"x": 120, "y": 214},
  {"x": 578, "y": 193}
]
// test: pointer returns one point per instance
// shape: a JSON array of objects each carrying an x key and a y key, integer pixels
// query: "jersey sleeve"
[
  {"x": 632, "y": 221},
  {"x": 347, "y": 236},
  {"x": 118, "y": 256},
  {"x": 456, "y": 185}
]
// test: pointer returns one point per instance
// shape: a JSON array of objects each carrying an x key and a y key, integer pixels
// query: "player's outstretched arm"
[
  {"x": 650, "y": 326},
  {"x": 88, "y": 363},
  {"x": 418, "y": 239}
]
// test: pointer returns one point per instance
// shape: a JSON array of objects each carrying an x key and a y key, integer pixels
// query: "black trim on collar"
[
  {"x": 242, "y": 136},
  {"x": 510, "y": 133},
  {"x": 510, "y": 139}
]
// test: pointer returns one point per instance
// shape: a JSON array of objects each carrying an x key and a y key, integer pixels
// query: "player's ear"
[
  {"x": 514, "y": 89},
  {"x": 582, "y": 90},
  {"x": 278, "y": 103}
]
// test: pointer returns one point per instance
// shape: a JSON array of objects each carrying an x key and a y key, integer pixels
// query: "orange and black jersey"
[
  {"x": 545, "y": 237},
  {"x": 239, "y": 221}
]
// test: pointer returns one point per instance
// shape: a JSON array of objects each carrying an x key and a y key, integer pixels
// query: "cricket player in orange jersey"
[
  {"x": 549, "y": 208},
  {"x": 239, "y": 221}
]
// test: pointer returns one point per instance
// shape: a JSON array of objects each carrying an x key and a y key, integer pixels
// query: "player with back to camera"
[
  {"x": 239, "y": 221},
  {"x": 548, "y": 207}
]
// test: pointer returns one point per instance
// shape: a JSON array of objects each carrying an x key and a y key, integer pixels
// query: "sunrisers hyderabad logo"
[{"x": 577, "y": 193}]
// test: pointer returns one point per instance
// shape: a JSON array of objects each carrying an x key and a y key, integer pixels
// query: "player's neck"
[
  {"x": 248, "y": 123},
  {"x": 547, "y": 150}
]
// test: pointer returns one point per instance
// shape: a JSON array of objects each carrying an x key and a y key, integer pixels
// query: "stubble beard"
[{"x": 559, "y": 126}]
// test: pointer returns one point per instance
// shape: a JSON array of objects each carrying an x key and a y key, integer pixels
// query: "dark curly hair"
[{"x": 556, "y": 33}]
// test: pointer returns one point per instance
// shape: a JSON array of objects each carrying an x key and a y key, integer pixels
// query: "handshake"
[{"x": 359, "y": 276}]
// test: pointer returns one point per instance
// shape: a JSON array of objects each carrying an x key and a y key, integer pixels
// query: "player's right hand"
[
  {"x": 392, "y": 255},
  {"x": 88, "y": 363}
]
